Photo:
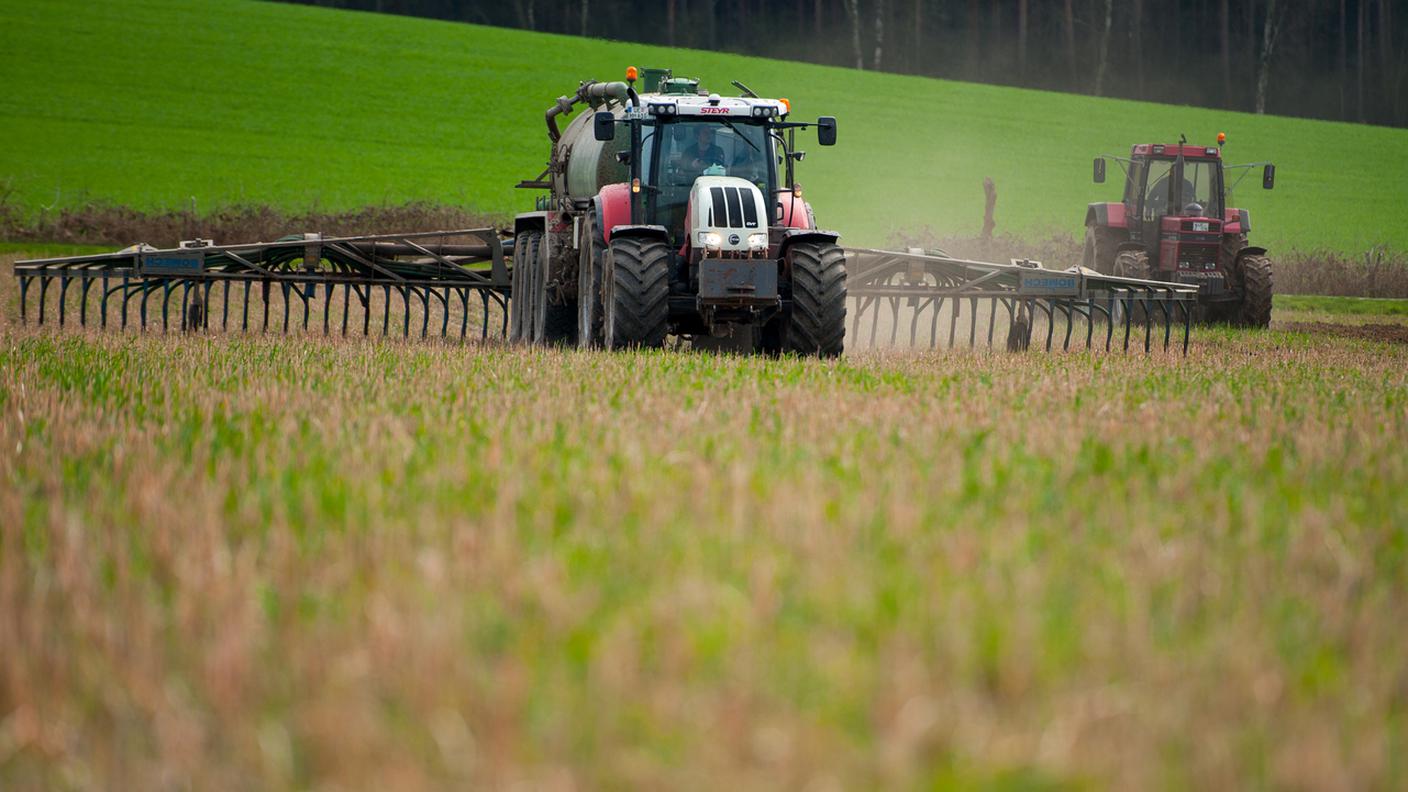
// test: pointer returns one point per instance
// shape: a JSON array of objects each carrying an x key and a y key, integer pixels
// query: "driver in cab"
[{"x": 703, "y": 152}]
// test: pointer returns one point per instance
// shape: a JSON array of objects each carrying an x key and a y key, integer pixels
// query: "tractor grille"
[
  {"x": 732, "y": 208},
  {"x": 1197, "y": 258}
]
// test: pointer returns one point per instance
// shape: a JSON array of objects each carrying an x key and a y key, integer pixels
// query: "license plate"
[{"x": 1200, "y": 226}]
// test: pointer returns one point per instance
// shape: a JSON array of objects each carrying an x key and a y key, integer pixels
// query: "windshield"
[
  {"x": 681, "y": 151},
  {"x": 1199, "y": 193},
  {"x": 1200, "y": 188}
]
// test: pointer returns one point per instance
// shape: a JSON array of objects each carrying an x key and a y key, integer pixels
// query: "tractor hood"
[{"x": 727, "y": 215}]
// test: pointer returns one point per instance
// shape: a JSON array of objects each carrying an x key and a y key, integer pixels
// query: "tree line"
[{"x": 1333, "y": 59}]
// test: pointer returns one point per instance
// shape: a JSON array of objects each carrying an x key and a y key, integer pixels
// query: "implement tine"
[
  {"x": 1127, "y": 318},
  {"x": 266, "y": 289},
  {"x": 444, "y": 295},
  {"x": 1148, "y": 322},
  {"x": 165, "y": 305},
  {"x": 1187, "y": 325},
  {"x": 1168, "y": 320},
  {"x": 406, "y": 320},
  {"x": 972, "y": 322},
  {"x": 43, "y": 291},
  {"x": 24, "y": 299},
  {"x": 914, "y": 323},
  {"x": 327, "y": 307},
  {"x": 1070, "y": 324},
  {"x": 346, "y": 305},
  {"x": 1089, "y": 320},
  {"x": 386, "y": 313},
  {"x": 953, "y": 323},
  {"x": 992, "y": 319},
  {"x": 104, "y": 303},
  {"x": 464, "y": 311},
  {"x": 83, "y": 302},
  {"x": 425, "y": 307},
  {"x": 934, "y": 323},
  {"x": 63, "y": 298}
]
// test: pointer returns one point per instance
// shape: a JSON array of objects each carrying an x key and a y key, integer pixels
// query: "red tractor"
[{"x": 1174, "y": 225}]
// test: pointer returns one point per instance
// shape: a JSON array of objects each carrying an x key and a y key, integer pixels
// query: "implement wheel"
[
  {"x": 817, "y": 324},
  {"x": 525, "y": 287},
  {"x": 637, "y": 294},
  {"x": 589, "y": 266},
  {"x": 1256, "y": 291}
]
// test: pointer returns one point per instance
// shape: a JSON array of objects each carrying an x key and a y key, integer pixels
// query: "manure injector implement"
[{"x": 668, "y": 212}]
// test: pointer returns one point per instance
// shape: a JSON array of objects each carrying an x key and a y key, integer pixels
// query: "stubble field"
[{"x": 281, "y": 563}]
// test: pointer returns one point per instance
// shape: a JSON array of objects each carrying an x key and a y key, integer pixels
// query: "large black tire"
[
  {"x": 1257, "y": 290},
  {"x": 637, "y": 298},
  {"x": 523, "y": 320},
  {"x": 1100, "y": 249},
  {"x": 817, "y": 324},
  {"x": 589, "y": 287},
  {"x": 560, "y": 324}
]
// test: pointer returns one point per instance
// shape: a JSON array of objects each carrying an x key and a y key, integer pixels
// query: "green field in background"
[{"x": 176, "y": 103}]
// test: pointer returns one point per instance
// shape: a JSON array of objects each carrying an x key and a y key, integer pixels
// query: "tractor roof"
[
  {"x": 712, "y": 105},
  {"x": 1173, "y": 150}
]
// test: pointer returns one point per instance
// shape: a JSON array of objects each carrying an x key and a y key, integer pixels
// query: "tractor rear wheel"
[
  {"x": 1256, "y": 291},
  {"x": 817, "y": 325},
  {"x": 637, "y": 293},
  {"x": 560, "y": 324},
  {"x": 1099, "y": 249},
  {"x": 524, "y": 286}
]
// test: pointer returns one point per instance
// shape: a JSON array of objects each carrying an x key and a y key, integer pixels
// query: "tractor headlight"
[
  {"x": 757, "y": 241},
  {"x": 711, "y": 241}
]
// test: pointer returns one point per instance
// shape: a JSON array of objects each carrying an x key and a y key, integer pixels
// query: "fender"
[
  {"x": 793, "y": 212},
  {"x": 530, "y": 221},
  {"x": 1106, "y": 215},
  {"x": 1237, "y": 221},
  {"x": 1123, "y": 246},
  {"x": 613, "y": 208},
  {"x": 792, "y": 236},
  {"x": 1250, "y": 250},
  {"x": 639, "y": 232}
]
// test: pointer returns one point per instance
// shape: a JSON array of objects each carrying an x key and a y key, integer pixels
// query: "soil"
[{"x": 1390, "y": 333}]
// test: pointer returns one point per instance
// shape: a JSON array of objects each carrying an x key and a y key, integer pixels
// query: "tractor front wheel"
[
  {"x": 817, "y": 324},
  {"x": 1256, "y": 291},
  {"x": 637, "y": 286}
]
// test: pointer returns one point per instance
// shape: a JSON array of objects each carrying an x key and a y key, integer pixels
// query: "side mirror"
[
  {"x": 1099, "y": 170},
  {"x": 1268, "y": 176},
  {"x": 826, "y": 131},
  {"x": 604, "y": 126}
]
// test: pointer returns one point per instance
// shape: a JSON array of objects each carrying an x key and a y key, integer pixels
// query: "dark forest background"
[{"x": 1334, "y": 59}]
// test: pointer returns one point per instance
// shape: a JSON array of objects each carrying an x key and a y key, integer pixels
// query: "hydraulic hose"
[{"x": 594, "y": 93}]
